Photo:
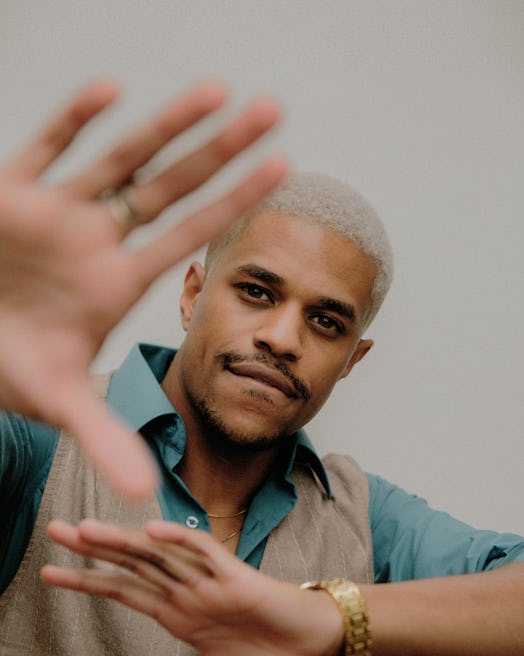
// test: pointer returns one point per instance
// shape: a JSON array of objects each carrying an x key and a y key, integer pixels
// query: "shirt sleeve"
[
  {"x": 27, "y": 448},
  {"x": 413, "y": 541}
]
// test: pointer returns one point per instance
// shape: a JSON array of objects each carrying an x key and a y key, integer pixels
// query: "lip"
[{"x": 265, "y": 375}]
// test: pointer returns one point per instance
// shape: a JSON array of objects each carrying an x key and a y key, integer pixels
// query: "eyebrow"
[
  {"x": 344, "y": 309},
  {"x": 325, "y": 302},
  {"x": 264, "y": 275}
]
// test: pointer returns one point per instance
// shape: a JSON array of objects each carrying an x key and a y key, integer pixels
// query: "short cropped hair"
[{"x": 329, "y": 202}]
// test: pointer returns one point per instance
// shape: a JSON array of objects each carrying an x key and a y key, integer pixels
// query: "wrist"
[
  {"x": 352, "y": 610},
  {"x": 326, "y": 634}
]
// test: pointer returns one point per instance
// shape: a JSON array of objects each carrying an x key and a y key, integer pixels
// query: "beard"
[{"x": 222, "y": 435}]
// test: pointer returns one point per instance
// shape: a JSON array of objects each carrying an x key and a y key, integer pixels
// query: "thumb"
[{"x": 120, "y": 456}]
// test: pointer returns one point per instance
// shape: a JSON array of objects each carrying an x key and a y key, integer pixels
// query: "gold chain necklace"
[
  {"x": 237, "y": 514},
  {"x": 231, "y": 536},
  {"x": 234, "y": 533},
  {"x": 240, "y": 512}
]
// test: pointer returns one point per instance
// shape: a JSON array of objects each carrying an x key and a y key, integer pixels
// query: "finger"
[
  {"x": 130, "y": 592},
  {"x": 159, "y": 562},
  {"x": 70, "y": 536},
  {"x": 193, "y": 170},
  {"x": 61, "y": 130},
  {"x": 112, "y": 544},
  {"x": 216, "y": 558},
  {"x": 67, "y": 535},
  {"x": 119, "y": 455},
  {"x": 197, "y": 229},
  {"x": 138, "y": 148}
]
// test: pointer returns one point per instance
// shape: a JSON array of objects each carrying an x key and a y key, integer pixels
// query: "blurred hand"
[
  {"x": 65, "y": 280},
  {"x": 201, "y": 593}
]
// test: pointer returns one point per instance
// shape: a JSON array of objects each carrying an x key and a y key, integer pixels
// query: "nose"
[{"x": 280, "y": 333}]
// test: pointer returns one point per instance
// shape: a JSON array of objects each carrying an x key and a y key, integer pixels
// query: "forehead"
[{"x": 306, "y": 255}]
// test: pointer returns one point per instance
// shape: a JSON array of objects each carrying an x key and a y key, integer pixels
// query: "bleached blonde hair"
[{"x": 329, "y": 202}]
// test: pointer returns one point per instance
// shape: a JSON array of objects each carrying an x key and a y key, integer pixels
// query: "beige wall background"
[{"x": 420, "y": 105}]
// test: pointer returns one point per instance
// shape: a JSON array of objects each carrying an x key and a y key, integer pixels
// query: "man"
[{"x": 267, "y": 338}]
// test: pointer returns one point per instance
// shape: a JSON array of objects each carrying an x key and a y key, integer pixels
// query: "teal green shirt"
[{"x": 410, "y": 540}]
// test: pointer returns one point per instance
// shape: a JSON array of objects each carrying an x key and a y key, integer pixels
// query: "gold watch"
[{"x": 354, "y": 613}]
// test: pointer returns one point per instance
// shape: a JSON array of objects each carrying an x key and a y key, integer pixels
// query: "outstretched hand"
[
  {"x": 66, "y": 281},
  {"x": 198, "y": 590}
]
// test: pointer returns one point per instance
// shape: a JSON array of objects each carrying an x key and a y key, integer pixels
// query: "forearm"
[{"x": 460, "y": 615}]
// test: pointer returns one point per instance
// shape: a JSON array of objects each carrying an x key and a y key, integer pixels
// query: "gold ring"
[{"x": 121, "y": 208}]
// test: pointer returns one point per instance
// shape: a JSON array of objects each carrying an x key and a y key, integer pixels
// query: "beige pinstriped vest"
[{"x": 320, "y": 538}]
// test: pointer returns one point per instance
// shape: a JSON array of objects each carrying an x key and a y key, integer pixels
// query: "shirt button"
[{"x": 192, "y": 521}]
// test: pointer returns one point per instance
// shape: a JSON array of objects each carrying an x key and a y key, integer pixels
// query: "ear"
[
  {"x": 363, "y": 347},
  {"x": 193, "y": 284}
]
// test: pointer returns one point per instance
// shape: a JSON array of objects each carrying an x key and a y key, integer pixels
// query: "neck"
[
  {"x": 222, "y": 481},
  {"x": 222, "y": 477}
]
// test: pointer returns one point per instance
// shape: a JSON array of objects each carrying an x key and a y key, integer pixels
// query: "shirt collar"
[{"x": 135, "y": 394}]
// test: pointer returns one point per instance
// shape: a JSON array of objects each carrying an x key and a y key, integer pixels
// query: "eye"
[
  {"x": 327, "y": 323},
  {"x": 255, "y": 292}
]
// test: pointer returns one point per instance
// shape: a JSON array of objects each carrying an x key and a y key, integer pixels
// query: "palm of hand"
[
  {"x": 66, "y": 283},
  {"x": 65, "y": 280},
  {"x": 198, "y": 591}
]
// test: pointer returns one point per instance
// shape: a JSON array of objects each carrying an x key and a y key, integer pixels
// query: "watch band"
[{"x": 354, "y": 613}]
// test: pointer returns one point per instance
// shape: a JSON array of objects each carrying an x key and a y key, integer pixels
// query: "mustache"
[{"x": 230, "y": 357}]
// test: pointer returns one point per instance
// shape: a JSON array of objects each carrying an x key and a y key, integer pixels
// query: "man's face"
[{"x": 271, "y": 328}]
